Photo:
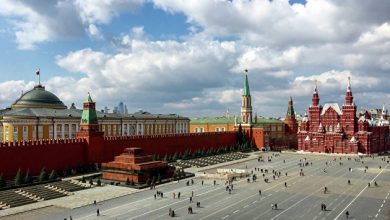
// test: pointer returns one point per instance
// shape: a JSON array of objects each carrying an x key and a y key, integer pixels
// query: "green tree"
[
  {"x": 174, "y": 158},
  {"x": 43, "y": 176},
  {"x": 18, "y": 178},
  {"x": 148, "y": 181},
  {"x": 27, "y": 177},
  {"x": 53, "y": 175}
]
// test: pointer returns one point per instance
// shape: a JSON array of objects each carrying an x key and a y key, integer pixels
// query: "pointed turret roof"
[
  {"x": 89, "y": 116},
  {"x": 290, "y": 109},
  {"x": 246, "y": 91}
]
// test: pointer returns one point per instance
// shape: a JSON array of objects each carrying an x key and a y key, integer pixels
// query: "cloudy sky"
[{"x": 188, "y": 56}]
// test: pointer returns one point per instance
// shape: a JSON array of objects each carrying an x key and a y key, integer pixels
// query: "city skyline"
[{"x": 164, "y": 56}]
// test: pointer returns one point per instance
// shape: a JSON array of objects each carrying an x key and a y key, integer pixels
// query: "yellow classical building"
[{"x": 39, "y": 114}]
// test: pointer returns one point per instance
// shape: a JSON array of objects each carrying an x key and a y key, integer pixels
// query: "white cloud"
[{"x": 379, "y": 34}]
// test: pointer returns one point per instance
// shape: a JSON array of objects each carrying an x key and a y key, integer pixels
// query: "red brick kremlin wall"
[{"x": 70, "y": 153}]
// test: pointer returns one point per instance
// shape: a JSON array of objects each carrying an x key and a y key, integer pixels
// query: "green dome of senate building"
[{"x": 38, "y": 97}]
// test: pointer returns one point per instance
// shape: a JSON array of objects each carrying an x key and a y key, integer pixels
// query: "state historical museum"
[{"x": 334, "y": 129}]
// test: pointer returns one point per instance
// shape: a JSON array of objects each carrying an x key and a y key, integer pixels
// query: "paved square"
[{"x": 300, "y": 199}]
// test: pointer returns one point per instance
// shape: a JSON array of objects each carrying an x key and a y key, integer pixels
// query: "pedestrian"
[
  {"x": 215, "y": 182},
  {"x": 173, "y": 213},
  {"x": 202, "y": 182},
  {"x": 259, "y": 192},
  {"x": 369, "y": 184},
  {"x": 94, "y": 202},
  {"x": 162, "y": 195},
  {"x": 347, "y": 214},
  {"x": 192, "y": 193},
  {"x": 192, "y": 182},
  {"x": 155, "y": 196},
  {"x": 230, "y": 191},
  {"x": 97, "y": 212},
  {"x": 276, "y": 206},
  {"x": 174, "y": 195},
  {"x": 178, "y": 195},
  {"x": 272, "y": 206},
  {"x": 190, "y": 199},
  {"x": 285, "y": 184}
]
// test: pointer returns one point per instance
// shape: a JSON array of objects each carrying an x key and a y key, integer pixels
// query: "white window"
[
  {"x": 25, "y": 133},
  {"x": 219, "y": 129},
  {"x": 34, "y": 132},
  {"x": 50, "y": 131},
  {"x": 15, "y": 134},
  {"x": 108, "y": 130},
  {"x": 59, "y": 132},
  {"x": 40, "y": 132},
  {"x": 73, "y": 131},
  {"x": 1, "y": 133},
  {"x": 6, "y": 133},
  {"x": 198, "y": 130},
  {"x": 125, "y": 130}
]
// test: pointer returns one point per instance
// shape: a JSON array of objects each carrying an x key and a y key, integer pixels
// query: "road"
[{"x": 301, "y": 199}]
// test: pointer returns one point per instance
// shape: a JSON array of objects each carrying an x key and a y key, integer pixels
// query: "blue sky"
[{"x": 188, "y": 56}]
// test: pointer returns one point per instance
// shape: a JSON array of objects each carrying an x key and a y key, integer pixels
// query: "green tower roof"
[
  {"x": 89, "y": 116},
  {"x": 290, "y": 110},
  {"x": 246, "y": 87}
]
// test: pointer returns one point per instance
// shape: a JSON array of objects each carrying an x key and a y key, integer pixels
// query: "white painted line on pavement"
[
  {"x": 376, "y": 216},
  {"x": 353, "y": 200},
  {"x": 225, "y": 216},
  {"x": 382, "y": 206},
  {"x": 379, "y": 210},
  {"x": 236, "y": 211},
  {"x": 248, "y": 206}
]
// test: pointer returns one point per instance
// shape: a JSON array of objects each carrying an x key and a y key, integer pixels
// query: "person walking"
[
  {"x": 97, "y": 212},
  {"x": 259, "y": 192},
  {"x": 347, "y": 214}
]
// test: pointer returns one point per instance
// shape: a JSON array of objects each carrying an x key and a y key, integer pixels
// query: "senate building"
[{"x": 40, "y": 114}]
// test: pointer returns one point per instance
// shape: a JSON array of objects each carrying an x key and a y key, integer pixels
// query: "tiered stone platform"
[{"x": 134, "y": 165}]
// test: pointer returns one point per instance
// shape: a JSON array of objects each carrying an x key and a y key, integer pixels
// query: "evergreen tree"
[
  {"x": 2, "y": 181},
  {"x": 27, "y": 177},
  {"x": 18, "y": 178},
  {"x": 174, "y": 158},
  {"x": 165, "y": 158},
  {"x": 53, "y": 175},
  {"x": 148, "y": 182},
  {"x": 43, "y": 176}
]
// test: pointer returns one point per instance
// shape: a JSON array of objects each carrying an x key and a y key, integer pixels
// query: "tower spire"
[
  {"x": 246, "y": 105},
  {"x": 315, "y": 99},
  {"x": 246, "y": 91},
  {"x": 348, "y": 95}
]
